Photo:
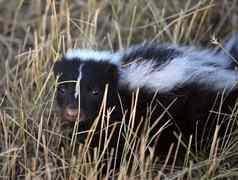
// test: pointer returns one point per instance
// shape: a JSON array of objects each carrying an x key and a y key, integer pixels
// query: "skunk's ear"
[{"x": 57, "y": 68}]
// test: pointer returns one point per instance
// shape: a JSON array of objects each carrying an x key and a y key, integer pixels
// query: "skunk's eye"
[
  {"x": 62, "y": 91},
  {"x": 95, "y": 92}
]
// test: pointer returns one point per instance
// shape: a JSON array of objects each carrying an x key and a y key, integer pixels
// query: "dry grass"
[{"x": 34, "y": 34}]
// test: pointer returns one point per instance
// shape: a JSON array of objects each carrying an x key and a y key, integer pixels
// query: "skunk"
[{"x": 187, "y": 89}]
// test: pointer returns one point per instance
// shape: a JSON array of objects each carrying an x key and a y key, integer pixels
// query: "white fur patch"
[
  {"x": 143, "y": 74},
  {"x": 86, "y": 54}
]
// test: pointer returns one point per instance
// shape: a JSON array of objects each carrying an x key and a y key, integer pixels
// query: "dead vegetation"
[{"x": 34, "y": 34}]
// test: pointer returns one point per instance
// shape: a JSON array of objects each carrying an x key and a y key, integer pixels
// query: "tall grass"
[{"x": 34, "y": 143}]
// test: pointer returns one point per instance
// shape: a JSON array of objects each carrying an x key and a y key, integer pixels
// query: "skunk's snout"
[{"x": 71, "y": 114}]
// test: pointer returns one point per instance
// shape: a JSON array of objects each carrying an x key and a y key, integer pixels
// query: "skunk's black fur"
[{"x": 193, "y": 89}]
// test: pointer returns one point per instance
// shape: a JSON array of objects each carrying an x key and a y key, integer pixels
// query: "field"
[{"x": 34, "y": 143}]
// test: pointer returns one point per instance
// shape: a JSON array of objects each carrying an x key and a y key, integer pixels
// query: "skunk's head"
[{"x": 81, "y": 85}]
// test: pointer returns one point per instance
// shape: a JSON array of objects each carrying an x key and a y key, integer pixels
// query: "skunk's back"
[{"x": 164, "y": 68}]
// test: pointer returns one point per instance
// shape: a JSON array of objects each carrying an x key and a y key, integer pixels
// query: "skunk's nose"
[{"x": 71, "y": 114}]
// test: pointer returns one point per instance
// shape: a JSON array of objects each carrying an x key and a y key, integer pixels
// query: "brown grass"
[{"x": 34, "y": 34}]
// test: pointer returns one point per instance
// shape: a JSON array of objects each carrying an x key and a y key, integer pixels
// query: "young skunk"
[{"x": 191, "y": 89}]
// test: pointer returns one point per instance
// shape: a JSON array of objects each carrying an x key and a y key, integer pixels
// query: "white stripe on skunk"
[{"x": 86, "y": 54}]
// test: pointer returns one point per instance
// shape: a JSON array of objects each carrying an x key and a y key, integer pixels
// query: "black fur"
[
  {"x": 190, "y": 105},
  {"x": 151, "y": 51}
]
